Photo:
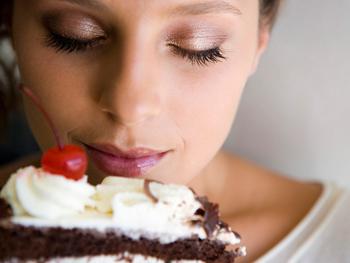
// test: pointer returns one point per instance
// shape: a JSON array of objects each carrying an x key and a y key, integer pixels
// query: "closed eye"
[
  {"x": 199, "y": 57},
  {"x": 69, "y": 44}
]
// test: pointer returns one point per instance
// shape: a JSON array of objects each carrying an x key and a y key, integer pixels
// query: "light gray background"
[{"x": 294, "y": 116}]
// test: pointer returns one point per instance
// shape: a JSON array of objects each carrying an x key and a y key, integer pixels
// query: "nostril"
[
  {"x": 110, "y": 116},
  {"x": 108, "y": 113}
]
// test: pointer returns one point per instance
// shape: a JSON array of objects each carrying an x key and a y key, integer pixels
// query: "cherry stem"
[{"x": 36, "y": 101}]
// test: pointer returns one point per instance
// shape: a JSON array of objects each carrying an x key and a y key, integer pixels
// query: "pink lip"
[{"x": 132, "y": 163}]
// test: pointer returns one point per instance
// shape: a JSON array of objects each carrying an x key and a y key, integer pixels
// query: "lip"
[{"x": 133, "y": 162}]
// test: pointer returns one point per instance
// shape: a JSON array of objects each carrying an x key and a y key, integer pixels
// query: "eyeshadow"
[
  {"x": 73, "y": 24},
  {"x": 196, "y": 37}
]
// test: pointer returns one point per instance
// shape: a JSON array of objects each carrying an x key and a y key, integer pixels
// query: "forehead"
[{"x": 169, "y": 7}]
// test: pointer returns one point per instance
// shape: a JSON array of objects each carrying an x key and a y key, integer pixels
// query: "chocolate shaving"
[
  {"x": 192, "y": 190},
  {"x": 200, "y": 212},
  {"x": 197, "y": 222},
  {"x": 236, "y": 234},
  {"x": 5, "y": 209},
  {"x": 211, "y": 215},
  {"x": 240, "y": 252},
  {"x": 225, "y": 226},
  {"x": 146, "y": 187}
]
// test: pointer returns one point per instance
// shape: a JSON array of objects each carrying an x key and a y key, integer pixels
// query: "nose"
[{"x": 132, "y": 95}]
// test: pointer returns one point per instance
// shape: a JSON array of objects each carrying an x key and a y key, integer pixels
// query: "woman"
[{"x": 151, "y": 88}]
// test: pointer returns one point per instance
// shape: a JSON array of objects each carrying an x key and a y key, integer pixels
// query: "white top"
[{"x": 322, "y": 236}]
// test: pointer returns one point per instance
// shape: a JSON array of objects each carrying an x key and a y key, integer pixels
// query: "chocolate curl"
[
  {"x": 211, "y": 215},
  {"x": 146, "y": 188}
]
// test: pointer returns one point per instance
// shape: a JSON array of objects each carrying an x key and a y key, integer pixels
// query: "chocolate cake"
[{"x": 49, "y": 218}]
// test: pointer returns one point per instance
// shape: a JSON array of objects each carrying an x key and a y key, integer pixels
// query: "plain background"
[{"x": 294, "y": 116}]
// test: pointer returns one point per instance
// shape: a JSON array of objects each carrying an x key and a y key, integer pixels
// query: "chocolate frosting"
[
  {"x": 5, "y": 209},
  {"x": 40, "y": 244}
]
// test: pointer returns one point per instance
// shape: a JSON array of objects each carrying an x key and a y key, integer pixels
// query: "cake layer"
[
  {"x": 103, "y": 224},
  {"x": 122, "y": 258},
  {"x": 29, "y": 243}
]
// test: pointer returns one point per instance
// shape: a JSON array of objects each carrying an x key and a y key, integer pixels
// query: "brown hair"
[
  {"x": 269, "y": 10},
  {"x": 268, "y": 14},
  {"x": 7, "y": 92}
]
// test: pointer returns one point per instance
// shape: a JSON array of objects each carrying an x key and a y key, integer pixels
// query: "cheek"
[
  {"x": 60, "y": 86},
  {"x": 60, "y": 91},
  {"x": 210, "y": 102},
  {"x": 205, "y": 111}
]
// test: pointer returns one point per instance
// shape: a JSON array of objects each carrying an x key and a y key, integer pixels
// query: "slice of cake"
[{"x": 50, "y": 218}]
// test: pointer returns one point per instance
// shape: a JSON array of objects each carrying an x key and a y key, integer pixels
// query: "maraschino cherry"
[{"x": 67, "y": 160}]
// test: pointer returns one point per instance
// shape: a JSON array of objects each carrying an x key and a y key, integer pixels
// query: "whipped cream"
[
  {"x": 34, "y": 192},
  {"x": 167, "y": 208}
]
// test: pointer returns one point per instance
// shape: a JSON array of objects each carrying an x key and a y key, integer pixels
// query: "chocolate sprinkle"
[
  {"x": 200, "y": 212},
  {"x": 193, "y": 191}
]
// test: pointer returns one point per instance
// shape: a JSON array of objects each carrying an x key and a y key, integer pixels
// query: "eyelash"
[
  {"x": 69, "y": 45},
  {"x": 202, "y": 57}
]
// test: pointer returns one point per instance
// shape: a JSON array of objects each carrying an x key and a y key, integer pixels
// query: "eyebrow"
[{"x": 206, "y": 8}]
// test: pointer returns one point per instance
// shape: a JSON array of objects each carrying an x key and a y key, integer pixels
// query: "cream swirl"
[
  {"x": 34, "y": 192},
  {"x": 178, "y": 200},
  {"x": 165, "y": 212}
]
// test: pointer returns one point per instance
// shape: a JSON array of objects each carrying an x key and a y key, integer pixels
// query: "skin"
[{"x": 132, "y": 90}]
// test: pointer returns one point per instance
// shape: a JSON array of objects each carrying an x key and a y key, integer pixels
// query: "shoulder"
[
  {"x": 262, "y": 205},
  {"x": 260, "y": 188},
  {"x": 7, "y": 170},
  {"x": 330, "y": 240}
]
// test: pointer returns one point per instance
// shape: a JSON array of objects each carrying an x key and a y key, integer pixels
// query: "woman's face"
[{"x": 149, "y": 88}]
